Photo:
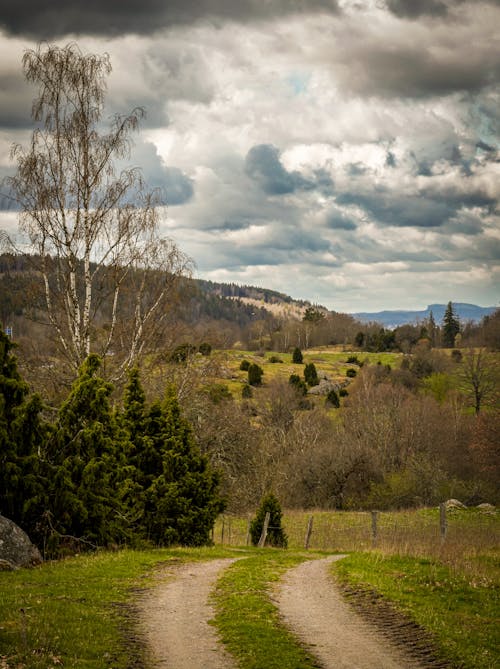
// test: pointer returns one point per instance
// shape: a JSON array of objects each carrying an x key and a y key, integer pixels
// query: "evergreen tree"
[
  {"x": 297, "y": 357},
  {"x": 255, "y": 375},
  {"x": 22, "y": 436},
  {"x": 275, "y": 535},
  {"x": 183, "y": 502},
  {"x": 451, "y": 326},
  {"x": 90, "y": 476},
  {"x": 311, "y": 375}
]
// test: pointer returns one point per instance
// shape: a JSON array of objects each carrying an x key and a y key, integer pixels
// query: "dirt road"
[
  {"x": 175, "y": 615},
  {"x": 313, "y": 607}
]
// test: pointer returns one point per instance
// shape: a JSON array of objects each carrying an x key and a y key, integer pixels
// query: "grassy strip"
[
  {"x": 462, "y": 615},
  {"x": 247, "y": 620},
  {"x": 73, "y": 613}
]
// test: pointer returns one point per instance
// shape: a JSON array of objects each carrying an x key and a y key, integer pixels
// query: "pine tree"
[
  {"x": 297, "y": 357},
  {"x": 451, "y": 326}
]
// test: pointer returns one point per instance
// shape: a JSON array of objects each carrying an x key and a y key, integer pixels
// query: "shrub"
[
  {"x": 182, "y": 352},
  {"x": 298, "y": 383},
  {"x": 332, "y": 399},
  {"x": 456, "y": 355},
  {"x": 255, "y": 375},
  {"x": 275, "y": 359},
  {"x": 343, "y": 392},
  {"x": 297, "y": 357},
  {"x": 353, "y": 360},
  {"x": 205, "y": 348},
  {"x": 311, "y": 375},
  {"x": 218, "y": 392},
  {"x": 275, "y": 534},
  {"x": 246, "y": 392},
  {"x": 351, "y": 372},
  {"x": 244, "y": 365}
]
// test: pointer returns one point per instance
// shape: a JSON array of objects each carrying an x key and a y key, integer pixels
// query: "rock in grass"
[{"x": 16, "y": 549}]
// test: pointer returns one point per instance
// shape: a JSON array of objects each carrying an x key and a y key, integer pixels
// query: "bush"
[
  {"x": 297, "y": 357},
  {"x": 332, "y": 399},
  {"x": 298, "y": 383},
  {"x": 275, "y": 359},
  {"x": 456, "y": 355},
  {"x": 218, "y": 392},
  {"x": 255, "y": 375},
  {"x": 353, "y": 360},
  {"x": 181, "y": 353},
  {"x": 246, "y": 392},
  {"x": 275, "y": 534},
  {"x": 244, "y": 365},
  {"x": 311, "y": 375},
  {"x": 205, "y": 348},
  {"x": 343, "y": 392},
  {"x": 351, "y": 372}
]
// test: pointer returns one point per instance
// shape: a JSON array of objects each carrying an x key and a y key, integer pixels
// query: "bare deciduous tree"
[
  {"x": 481, "y": 377},
  {"x": 94, "y": 230}
]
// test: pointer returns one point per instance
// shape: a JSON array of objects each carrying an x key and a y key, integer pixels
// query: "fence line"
[{"x": 347, "y": 530}]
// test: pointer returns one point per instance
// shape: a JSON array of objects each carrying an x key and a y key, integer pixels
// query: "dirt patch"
[
  {"x": 316, "y": 610},
  {"x": 175, "y": 617}
]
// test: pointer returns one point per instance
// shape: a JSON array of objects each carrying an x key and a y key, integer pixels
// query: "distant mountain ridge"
[{"x": 466, "y": 312}]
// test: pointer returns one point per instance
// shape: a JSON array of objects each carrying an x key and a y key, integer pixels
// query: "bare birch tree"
[{"x": 94, "y": 230}]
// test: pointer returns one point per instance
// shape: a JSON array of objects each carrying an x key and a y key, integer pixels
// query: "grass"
[
  {"x": 248, "y": 621},
  {"x": 76, "y": 612},
  {"x": 73, "y": 613},
  {"x": 460, "y": 613}
]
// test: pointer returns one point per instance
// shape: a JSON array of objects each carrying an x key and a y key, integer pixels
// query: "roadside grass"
[
  {"x": 461, "y": 614},
  {"x": 448, "y": 587},
  {"x": 247, "y": 620},
  {"x": 75, "y": 612}
]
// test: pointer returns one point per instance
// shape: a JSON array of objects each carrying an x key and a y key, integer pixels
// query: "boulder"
[
  {"x": 487, "y": 508},
  {"x": 16, "y": 549},
  {"x": 454, "y": 504}
]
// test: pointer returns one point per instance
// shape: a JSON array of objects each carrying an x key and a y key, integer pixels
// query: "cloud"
[
  {"x": 104, "y": 17},
  {"x": 264, "y": 166},
  {"x": 415, "y": 8}
]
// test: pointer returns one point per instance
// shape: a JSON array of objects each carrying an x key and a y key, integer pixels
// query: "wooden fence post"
[
  {"x": 443, "y": 521},
  {"x": 374, "y": 528},
  {"x": 308, "y": 532},
  {"x": 263, "y": 536},
  {"x": 248, "y": 531},
  {"x": 222, "y": 532}
]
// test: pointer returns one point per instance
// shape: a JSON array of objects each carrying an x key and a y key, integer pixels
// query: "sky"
[{"x": 345, "y": 152}]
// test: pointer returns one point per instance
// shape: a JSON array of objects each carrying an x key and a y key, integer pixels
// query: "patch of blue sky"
[{"x": 298, "y": 82}]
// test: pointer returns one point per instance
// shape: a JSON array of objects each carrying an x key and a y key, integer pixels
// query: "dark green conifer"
[
  {"x": 183, "y": 502},
  {"x": 275, "y": 535}
]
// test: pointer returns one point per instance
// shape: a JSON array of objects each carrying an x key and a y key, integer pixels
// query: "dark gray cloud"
[
  {"x": 339, "y": 220},
  {"x": 264, "y": 166},
  {"x": 42, "y": 20},
  {"x": 388, "y": 70},
  {"x": 176, "y": 187},
  {"x": 415, "y": 8},
  {"x": 393, "y": 208}
]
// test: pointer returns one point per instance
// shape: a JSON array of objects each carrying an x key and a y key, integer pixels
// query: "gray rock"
[
  {"x": 487, "y": 508},
  {"x": 454, "y": 504},
  {"x": 16, "y": 549}
]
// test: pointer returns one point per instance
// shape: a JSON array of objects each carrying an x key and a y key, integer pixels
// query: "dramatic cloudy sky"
[{"x": 342, "y": 151}]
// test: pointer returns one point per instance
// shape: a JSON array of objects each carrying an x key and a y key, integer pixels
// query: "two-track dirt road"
[{"x": 175, "y": 617}]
